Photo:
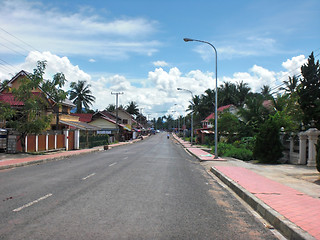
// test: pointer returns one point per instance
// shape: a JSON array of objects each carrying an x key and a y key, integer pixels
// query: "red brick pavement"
[{"x": 297, "y": 207}]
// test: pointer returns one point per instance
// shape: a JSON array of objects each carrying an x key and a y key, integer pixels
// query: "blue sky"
[{"x": 137, "y": 46}]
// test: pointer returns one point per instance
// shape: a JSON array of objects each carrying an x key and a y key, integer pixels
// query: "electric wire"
[{"x": 19, "y": 39}]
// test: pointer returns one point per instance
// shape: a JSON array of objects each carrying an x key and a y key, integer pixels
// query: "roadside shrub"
[
  {"x": 223, "y": 148},
  {"x": 230, "y": 150},
  {"x": 248, "y": 143},
  {"x": 268, "y": 148},
  {"x": 240, "y": 153}
]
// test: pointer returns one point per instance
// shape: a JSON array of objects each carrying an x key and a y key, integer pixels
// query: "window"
[{"x": 125, "y": 121}]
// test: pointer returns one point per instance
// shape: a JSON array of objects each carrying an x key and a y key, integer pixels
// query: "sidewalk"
[
  {"x": 288, "y": 196},
  {"x": 8, "y": 161}
]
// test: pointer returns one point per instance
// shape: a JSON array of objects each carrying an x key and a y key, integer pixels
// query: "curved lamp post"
[
  {"x": 216, "y": 95},
  {"x": 182, "y": 89}
]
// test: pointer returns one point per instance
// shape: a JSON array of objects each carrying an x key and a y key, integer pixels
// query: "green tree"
[
  {"x": 253, "y": 114},
  {"x": 309, "y": 91},
  {"x": 30, "y": 118},
  {"x": 80, "y": 93},
  {"x": 111, "y": 108},
  {"x": 54, "y": 90},
  {"x": 228, "y": 125},
  {"x": 132, "y": 108},
  {"x": 288, "y": 110},
  {"x": 228, "y": 94},
  {"x": 290, "y": 85},
  {"x": 243, "y": 90},
  {"x": 268, "y": 147},
  {"x": 266, "y": 92}
]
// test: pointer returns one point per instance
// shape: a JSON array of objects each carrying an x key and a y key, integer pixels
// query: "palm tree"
[
  {"x": 228, "y": 94},
  {"x": 266, "y": 92},
  {"x": 81, "y": 95},
  {"x": 111, "y": 108},
  {"x": 290, "y": 85},
  {"x": 132, "y": 108},
  {"x": 243, "y": 90}
]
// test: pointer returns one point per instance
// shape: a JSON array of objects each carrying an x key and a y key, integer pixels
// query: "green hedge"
[
  {"x": 234, "y": 150},
  {"x": 94, "y": 140}
]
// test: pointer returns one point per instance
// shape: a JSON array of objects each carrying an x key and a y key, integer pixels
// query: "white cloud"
[
  {"x": 77, "y": 32},
  {"x": 243, "y": 46},
  {"x": 55, "y": 64},
  {"x": 293, "y": 65},
  {"x": 160, "y": 95},
  {"x": 160, "y": 64},
  {"x": 92, "y": 60},
  {"x": 258, "y": 76}
]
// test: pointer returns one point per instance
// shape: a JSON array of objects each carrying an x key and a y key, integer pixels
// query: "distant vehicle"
[{"x": 157, "y": 131}]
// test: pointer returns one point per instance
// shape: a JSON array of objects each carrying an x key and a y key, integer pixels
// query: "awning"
[
  {"x": 207, "y": 131},
  {"x": 80, "y": 125}
]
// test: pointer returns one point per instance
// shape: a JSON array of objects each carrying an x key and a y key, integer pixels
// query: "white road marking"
[
  {"x": 125, "y": 158},
  {"x": 31, "y": 203},
  {"x": 112, "y": 164},
  {"x": 92, "y": 174}
]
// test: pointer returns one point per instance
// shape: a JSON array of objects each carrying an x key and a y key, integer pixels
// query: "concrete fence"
[
  {"x": 48, "y": 141},
  {"x": 300, "y": 148}
]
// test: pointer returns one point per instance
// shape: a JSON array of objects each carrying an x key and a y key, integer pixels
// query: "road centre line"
[
  {"x": 90, "y": 175},
  {"x": 112, "y": 164},
  {"x": 31, "y": 203}
]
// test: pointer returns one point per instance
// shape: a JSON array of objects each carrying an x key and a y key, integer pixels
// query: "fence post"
[
  {"x": 37, "y": 142},
  {"x": 302, "y": 148},
  {"x": 313, "y": 134},
  {"x": 66, "y": 139},
  {"x": 47, "y": 141},
  {"x": 26, "y": 144},
  {"x": 77, "y": 139},
  {"x": 55, "y": 140}
]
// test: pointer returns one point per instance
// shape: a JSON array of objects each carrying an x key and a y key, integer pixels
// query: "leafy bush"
[
  {"x": 223, "y": 148},
  {"x": 93, "y": 140},
  {"x": 240, "y": 153},
  {"x": 268, "y": 148},
  {"x": 235, "y": 151}
]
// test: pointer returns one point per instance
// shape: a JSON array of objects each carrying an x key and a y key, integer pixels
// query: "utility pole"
[{"x": 117, "y": 97}]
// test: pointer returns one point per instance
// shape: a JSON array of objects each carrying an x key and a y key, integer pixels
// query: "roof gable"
[
  {"x": 220, "y": 109},
  {"x": 83, "y": 117},
  {"x": 12, "y": 101},
  {"x": 13, "y": 82}
]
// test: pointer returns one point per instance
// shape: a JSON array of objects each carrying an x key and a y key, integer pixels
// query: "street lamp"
[
  {"x": 182, "y": 89},
  {"x": 216, "y": 95},
  {"x": 182, "y": 123},
  {"x": 117, "y": 97}
]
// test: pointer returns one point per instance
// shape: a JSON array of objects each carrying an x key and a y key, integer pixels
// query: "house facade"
[
  {"x": 56, "y": 110},
  {"x": 207, "y": 123}
]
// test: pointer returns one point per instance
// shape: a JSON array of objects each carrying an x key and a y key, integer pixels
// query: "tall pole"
[
  {"x": 117, "y": 99},
  {"x": 216, "y": 96},
  {"x": 191, "y": 112}
]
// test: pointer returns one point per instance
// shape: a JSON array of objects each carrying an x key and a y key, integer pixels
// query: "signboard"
[{"x": 103, "y": 132}]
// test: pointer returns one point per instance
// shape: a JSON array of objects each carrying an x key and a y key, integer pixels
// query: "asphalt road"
[{"x": 149, "y": 190}]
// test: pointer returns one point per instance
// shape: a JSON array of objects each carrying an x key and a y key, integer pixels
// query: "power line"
[
  {"x": 14, "y": 44},
  {"x": 13, "y": 50},
  {"x": 9, "y": 65},
  {"x": 19, "y": 39}
]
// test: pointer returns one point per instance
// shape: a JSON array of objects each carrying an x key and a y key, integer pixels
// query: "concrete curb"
[{"x": 287, "y": 228}]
